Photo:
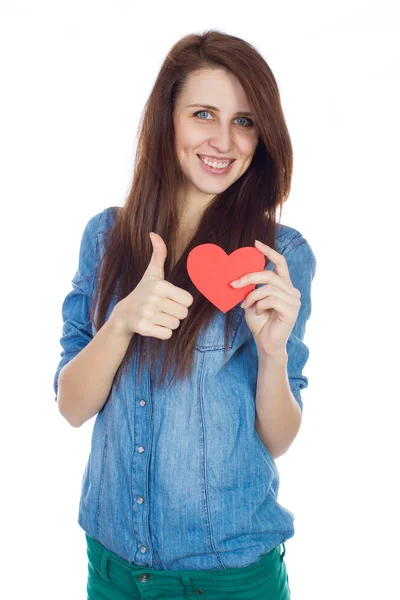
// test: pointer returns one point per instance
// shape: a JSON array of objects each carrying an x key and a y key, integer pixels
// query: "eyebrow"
[{"x": 240, "y": 112}]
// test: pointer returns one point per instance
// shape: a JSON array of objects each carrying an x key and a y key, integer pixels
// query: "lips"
[
  {"x": 217, "y": 160},
  {"x": 215, "y": 170}
]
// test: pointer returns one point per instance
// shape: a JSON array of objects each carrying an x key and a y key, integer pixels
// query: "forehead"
[{"x": 216, "y": 87}]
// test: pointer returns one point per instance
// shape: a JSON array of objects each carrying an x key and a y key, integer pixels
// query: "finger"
[
  {"x": 178, "y": 295},
  {"x": 159, "y": 332},
  {"x": 175, "y": 309},
  {"x": 278, "y": 260},
  {"x": 165, "y": 320},
  {"x": 267, "y": 290},
  {"x": 284, "y": 308},
  {"x": 156, "y": 264},
  {"x": 266, "y": 276}
]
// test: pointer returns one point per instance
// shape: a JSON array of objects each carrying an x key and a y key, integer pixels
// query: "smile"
[{"x": 215, "y": 170}]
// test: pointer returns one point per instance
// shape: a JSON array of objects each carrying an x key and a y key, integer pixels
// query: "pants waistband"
[{"x": 103, "y": 560}]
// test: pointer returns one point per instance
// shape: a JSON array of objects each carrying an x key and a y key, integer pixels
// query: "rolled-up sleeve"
[
  {"x": 76, "y": 323},
  {"x": 302, "y": 264}
]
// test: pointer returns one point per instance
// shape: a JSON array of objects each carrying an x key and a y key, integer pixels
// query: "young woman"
[{"x": 193, "y": 405}]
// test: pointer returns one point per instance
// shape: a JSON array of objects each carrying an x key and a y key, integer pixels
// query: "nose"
[{"x": 222, "y": 139}]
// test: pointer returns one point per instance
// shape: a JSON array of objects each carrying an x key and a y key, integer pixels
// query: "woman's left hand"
[{"x": 271, "y": 310}]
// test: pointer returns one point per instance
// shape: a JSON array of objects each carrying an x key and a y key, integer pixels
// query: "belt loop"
[
  {"x": 104, "y": 565},
  {"x": 284, "y": 551},
  {"x": 187, "y": 584}
]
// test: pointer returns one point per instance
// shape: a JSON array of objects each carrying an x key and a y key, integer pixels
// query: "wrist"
[
  {"x": 118, "y": 326},
  {"x": 279, "y": 357}
]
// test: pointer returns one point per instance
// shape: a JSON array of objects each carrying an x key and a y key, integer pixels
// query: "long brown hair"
[{"x": 245, "y": 211}]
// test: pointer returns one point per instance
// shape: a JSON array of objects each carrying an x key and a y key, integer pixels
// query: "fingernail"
[{"x": 235, "y": 283}]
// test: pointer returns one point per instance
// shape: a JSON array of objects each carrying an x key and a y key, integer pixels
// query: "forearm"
[
  {"x": 278, "y": 415},
  {"x": 85, "y": 382}
]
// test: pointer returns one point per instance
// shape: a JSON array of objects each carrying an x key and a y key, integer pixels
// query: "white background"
[{"x": 74, "y": 78}]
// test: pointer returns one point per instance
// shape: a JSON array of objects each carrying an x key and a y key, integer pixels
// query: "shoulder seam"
[{"x": 295, "y": 237}]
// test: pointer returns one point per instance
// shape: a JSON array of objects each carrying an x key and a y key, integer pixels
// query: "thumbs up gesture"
[{"x": 155, "y": 307}]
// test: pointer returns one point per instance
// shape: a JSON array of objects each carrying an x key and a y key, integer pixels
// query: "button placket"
[{"x": 139, "y": 471}]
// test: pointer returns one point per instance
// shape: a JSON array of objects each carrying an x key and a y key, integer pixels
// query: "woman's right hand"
[{"x": 155, "y": 307}]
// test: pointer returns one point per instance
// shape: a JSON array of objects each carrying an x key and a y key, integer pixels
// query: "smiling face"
[{"x": 224, "y": 132}]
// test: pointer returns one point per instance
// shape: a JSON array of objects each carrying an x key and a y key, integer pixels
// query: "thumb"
[{"x": 156, "y": 264}]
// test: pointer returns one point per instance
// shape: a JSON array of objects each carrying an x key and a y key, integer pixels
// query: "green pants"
[{"x": 112, "y": 578}]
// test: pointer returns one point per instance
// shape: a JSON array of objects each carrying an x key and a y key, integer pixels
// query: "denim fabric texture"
[{"x": 179, "y": 478}]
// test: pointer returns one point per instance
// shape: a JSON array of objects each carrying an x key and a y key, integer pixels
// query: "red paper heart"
[{"x": 211, "y": 270}]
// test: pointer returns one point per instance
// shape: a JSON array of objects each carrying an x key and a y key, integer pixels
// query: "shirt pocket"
[{"x": 212, "y": 336}]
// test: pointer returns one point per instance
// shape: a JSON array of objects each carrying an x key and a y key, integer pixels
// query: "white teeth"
[{"x": 214, "y": 164}]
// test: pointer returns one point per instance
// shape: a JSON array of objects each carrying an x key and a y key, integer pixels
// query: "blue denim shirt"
[{"x": 179, "y": 478}]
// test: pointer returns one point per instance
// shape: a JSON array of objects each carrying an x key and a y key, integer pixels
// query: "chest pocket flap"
[{"x": 212, "y": 336}]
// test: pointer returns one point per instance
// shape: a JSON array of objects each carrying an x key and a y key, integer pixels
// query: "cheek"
[
  {"x": 248, "y": 146},
  {"x": 192, "y": 140},
  {"x": 187, "y": 138}
]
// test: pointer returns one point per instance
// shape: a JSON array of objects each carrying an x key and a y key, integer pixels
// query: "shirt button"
[
  {"x": 139, "y": 500},
  {"x": 142, "y": 402},
  {"x": 141, "y": 449},
  {"x": 143, "y": 548}
]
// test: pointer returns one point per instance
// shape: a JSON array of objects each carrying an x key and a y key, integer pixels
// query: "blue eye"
[{"x": 206, "y": 111}]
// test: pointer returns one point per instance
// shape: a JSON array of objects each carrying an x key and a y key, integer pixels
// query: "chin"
[{"x": 211, "y": 189}]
